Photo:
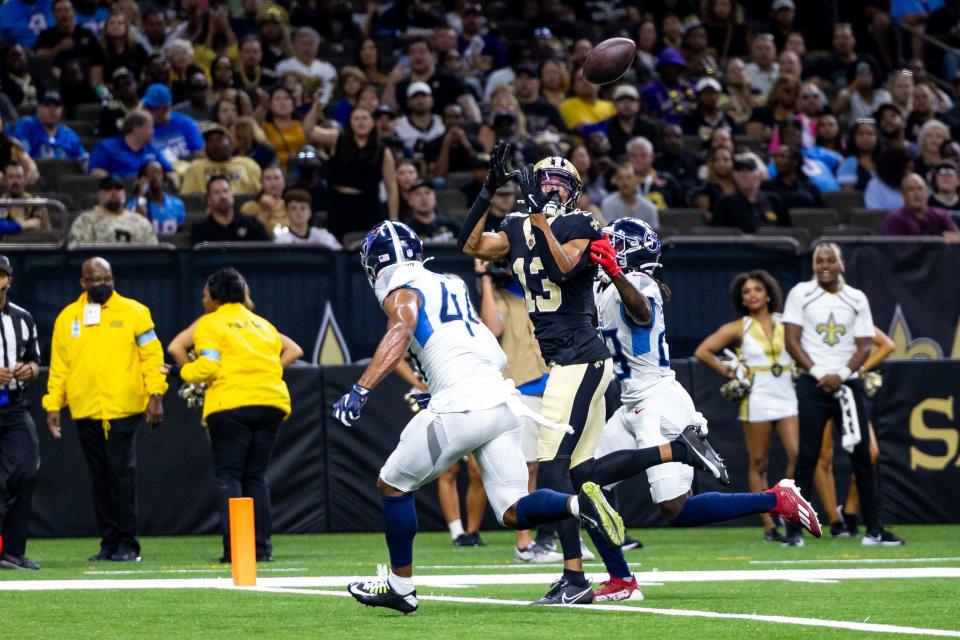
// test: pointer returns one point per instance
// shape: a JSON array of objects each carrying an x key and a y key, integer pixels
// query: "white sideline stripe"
[
  {"x": 805, "y": 622},
  {"x": 858, "y": 560},
  {"x": 816, "y": 581},
  {"x": 491, "y": 579},
  {"x": 181, "y": 571},
  {"x": 553, "y": 566}
]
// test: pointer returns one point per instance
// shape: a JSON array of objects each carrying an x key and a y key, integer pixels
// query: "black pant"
[
  {"x": 19, "y": 461},
  {"x": 816, "y": 407},
  {"x": 112, "y": 457},
  {"x": 241, "y": 441}
]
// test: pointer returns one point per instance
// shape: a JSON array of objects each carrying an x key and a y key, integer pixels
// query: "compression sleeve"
[
  {"x": 474, "y": 215},
  {"x": 554, "y": 273}
]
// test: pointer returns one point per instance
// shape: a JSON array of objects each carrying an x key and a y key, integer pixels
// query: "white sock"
[
  {"x": 456, "y": 528},
  {"x": 403, "y": 586},
  {"x": 575, "y": 506}
]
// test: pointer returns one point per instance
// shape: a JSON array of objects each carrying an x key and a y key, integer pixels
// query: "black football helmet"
[
  {"x": 637, "y": 244},
  {"x": 387, "y": 244}
]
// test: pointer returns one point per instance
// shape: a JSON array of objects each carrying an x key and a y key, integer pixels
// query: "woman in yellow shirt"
[
  {"x": 284, "y": 131},
  {"x": 238, "y": 356}
]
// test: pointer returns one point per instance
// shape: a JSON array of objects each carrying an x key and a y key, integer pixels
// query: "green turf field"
[{"x": 297, "y": 603}]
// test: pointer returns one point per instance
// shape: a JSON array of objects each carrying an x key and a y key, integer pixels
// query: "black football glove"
[
  {"x": 499, "y": 174},
  {"x": 533, "y": 195}
]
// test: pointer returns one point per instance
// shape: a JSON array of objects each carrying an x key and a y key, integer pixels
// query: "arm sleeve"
[
  {"x": 151, "y": 354},
  {"x": 792, "y": 309},
  {"x": 476, "y": 211},
  {"x": 206, "y": 344},
  {"x": 56, "y": 397},
  {"x": 863, "y": 325}
]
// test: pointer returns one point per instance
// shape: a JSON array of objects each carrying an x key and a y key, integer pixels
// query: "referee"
[
  {"x": 19, "y": 456},
  {"x": 828, "y": 330}
]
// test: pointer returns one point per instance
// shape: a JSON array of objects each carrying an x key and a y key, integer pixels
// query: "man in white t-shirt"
[
  {"x": 299, "y": 211},
  {"x": 316, "y": 74},
  {"x": 420, "y": 125},
  {"x": 828, "y": 332}
]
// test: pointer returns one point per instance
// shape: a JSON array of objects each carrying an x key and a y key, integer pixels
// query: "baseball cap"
[
  {"x": 211, "y": 129},
  {"x": 744, "y": 163},
  {"x": 109, "y": 182},
  {"x": 421, "y": 183},
  {"x": 626, "y": 91},
  {"x": 5, "y": 265},
  {"x": 528, "y": 69},
  {"x": 419, "y": 87},
  {"x": 157, "y": 95},
  {"x": 783, "y": 4},
  {"x": 51, "y": 96},
  {"x": 671, "y": 56},
  {"x": 269, "y": 13},
  {"x": 708, "y": 83},
  {"x": 384, "y": 110},
  {"x": 122, "y": 77}
]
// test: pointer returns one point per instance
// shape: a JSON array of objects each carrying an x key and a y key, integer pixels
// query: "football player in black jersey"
[{"x": 553, "y": 248}]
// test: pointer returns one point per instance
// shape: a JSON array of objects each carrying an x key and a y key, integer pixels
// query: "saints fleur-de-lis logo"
[{"x": 831, "y": 331}]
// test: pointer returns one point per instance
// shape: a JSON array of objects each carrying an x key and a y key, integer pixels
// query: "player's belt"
[{"x": 776, "y": 369}]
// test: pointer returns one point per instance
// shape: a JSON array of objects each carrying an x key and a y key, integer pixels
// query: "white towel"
[{"x": 850, "y": 421}]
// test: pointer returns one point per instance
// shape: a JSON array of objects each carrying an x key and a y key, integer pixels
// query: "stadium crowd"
[{"x": 735, "y": 115}]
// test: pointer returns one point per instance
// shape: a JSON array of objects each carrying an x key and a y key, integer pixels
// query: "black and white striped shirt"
[{"x": 18, "y": 341}]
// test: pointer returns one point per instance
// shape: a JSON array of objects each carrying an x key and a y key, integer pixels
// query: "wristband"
[
  {"x": 844, "y": 373},
  {"x": 818, "y": 371}
]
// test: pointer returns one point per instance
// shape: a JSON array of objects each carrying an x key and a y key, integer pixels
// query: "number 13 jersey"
[{"x": 561, "y": 312}]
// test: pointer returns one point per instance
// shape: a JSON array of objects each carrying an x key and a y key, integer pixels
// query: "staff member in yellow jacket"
[
  {"x": 106, "y": 364},
  {"x": 238, "y": 356}
]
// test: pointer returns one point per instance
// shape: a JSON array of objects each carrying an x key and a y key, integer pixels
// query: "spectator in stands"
[
  {"x": 626, "y": 123},
  {"x": 243, "y": 173},
  {"x": 945, "y": 186},
  {"x": 862, "y": 97},
  {"x": 12, "y": 150},
  {"x": 386, "y": 121},
  {"x": 811, "y": 104},
  {"x": 124, "y": 155},
  {"x": 251, "y": 141},
  {"x": 44, "y": 137},
  {"x": 862, "y": 146},
  {"x": 125, "y": 99},
  {"x": 892, "y": 129},
  {"x": 159, "y": 71},
  {"x": 719, "y": 181},
  {"x": 671, "y": 31},
  {"x": 660, "y": 188},
  {"x": 268, "y": 207},
  {"x": 309, "y": 177},
  {"x": 815, "y": 159},
  {"x": 930, "y": 138},
  {"x": 408, "y": 174},
  {"x": 368, "y": 60},
  {"x": 726, "y": 32},
  {"x": 222, "y": 87},
  {"x": 120, "y": 47},
  {"x": 883, "y": 189},
  {"x": 222, "y": 224},
  {"x": 315, "y": 73},
  {"x": 763, "y": 67},
  {"x": 749, "y": 208},
  {"x": 220, "y": 39},
  {"x": 153, "y": 35},
  {"x": 696, "y": 49},
  {"x": 65, "y": 39},
  {"x": 721, "y": 138},
  {"x": 900, "y": 88},
  {"x": 109, "y": 222},
  {"x": 585, "y": 107},
  {"x": 17, "y": 83},
  {"x": 351, "y": 81},
  {"x": 554, "y": 82},
  {"x": 358, "y": 164},
  {"x": 790, "y": 64},
  {"x": 828, "y": 140},
  {"x": 299, "y": 230},
  {"x": 284, "y": 132},
  {"x": 150, "y": 200},
  {"x": 924, "y": 110},
  {"x": 839, "y": 69},
  {"x": 781, "y": 106},
  {"x": 675, "y": 159},
  {"x": 503, "y": 202},
  {"x": 273, "y": 35},
  {"x": 595, "y": 165},
  {"x": 707, "y": 116},
  {"x": 224, "y": 113},
  {"x": 430, "y": 226},
  {"x": 176, "y": 135},
  {"x": 179, "y": 54},
  {"x": 916, "y": 217},
  {"x": 742, "y": 98},
  {"x": 28, "y": 217},
  {"x": 670, "y": 97},
  {"x": 445, "y": 87},
  {"x": 790, "y": 184},
  {"x": 796, "y": 43},
  {"x": 252, "y": 77},
  {"x": 627, "y": 201},
  {"x": 504, "y": 102},
  {"x": 540, "y": 113},
  {"x": 197, "y": 105},
  {"x": 421, "y": 124},
  {"x": 21, "y": 21},
  {"x": 782, "y": 14},
  {"x": 455, "y": 150}
]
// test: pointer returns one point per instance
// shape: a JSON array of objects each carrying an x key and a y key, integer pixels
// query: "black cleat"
[
  {"x": 17, "y": 561},
  {"x": 469, "y": 540},
  {"x": 773, "y": 535},
  {"x": 883, "y": 539},
  {"x": 126, "y": 555},
  {"x": 701, "y": 455},
  {"x": 629, "y": 544},
  {"x": 596, "y": 512},
  {"x": 379, "y": 593},
  {"x": 101, "y": 556},
  {"x": 565, "y": 592}
]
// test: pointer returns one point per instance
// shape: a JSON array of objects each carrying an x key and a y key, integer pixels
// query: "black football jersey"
[{"x": 562, "y": 312}]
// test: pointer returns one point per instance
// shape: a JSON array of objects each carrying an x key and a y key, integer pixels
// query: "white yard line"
[
  {"x": 499, "y": 567},
  {"x": 858, "y": 560},
  {"x": 226, "y": 569},
  {"x": 621, "y": 609}
]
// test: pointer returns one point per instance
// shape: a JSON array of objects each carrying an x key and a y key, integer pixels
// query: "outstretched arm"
[{"x": 473, "y": 241}]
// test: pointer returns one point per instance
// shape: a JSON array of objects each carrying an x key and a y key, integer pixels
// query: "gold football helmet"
[{"x": 557, "y": 167}]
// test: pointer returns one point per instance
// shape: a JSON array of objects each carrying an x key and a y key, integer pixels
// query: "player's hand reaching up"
[
  {"x": 533, "y": 194},
  {"x": 348, "y": 407},
  {"x": 603, "y": 253},
  {"x": 499, "y": 173}
]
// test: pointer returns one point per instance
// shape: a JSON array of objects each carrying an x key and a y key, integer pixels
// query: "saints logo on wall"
[{"x": 330, "y": 347}]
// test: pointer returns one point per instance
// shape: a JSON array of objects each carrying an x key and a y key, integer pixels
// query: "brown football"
[{"x": 609, "y": 60}]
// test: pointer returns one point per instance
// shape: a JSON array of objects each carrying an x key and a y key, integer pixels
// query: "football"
[{"x": 609, "y": 60}]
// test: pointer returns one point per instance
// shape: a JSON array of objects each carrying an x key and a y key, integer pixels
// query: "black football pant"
[
  {"x": 816, "y": 407},
  {"x": 241, "y": 441},
  {"x": 110, "y": 448},
  {"x": 19, "y": 461}
]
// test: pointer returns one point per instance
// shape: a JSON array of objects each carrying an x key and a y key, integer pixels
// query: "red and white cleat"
[
  {"x": 617, "y": 589},
  {"x": 792, "y": 507}
]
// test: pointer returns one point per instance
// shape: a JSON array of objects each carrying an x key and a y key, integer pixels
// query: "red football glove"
[{"x": 603, "y": 253}]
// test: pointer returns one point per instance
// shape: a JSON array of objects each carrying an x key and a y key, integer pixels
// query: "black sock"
[
  {"x": 621, "y": 465},
  {"x": 679, "y": 452},
  {"x": 575, "y": 577}
]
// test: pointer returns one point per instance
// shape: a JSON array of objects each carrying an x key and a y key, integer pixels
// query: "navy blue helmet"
[
  {"x": 636, "y": 243},
  {"x": 389, "y": 243}
]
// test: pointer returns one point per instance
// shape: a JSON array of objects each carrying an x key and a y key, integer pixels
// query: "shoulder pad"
[{"x": 396, "y": 276}]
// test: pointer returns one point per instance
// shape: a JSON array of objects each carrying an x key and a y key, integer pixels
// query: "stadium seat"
[
  {"x": 180, "y": 240},
  {"x": 693, "y": 144},
  {"x": 843, "y": 202},
  {"x": 352, "y": 240},
  {"x": 456, "y": 179},
  {"x": 869, "y": 218},
  {"x": 52, "y": 168},
  {"x": 714, "y": 231},
  {"x": 90, "y": 142},
  {"x": 77, "y": 187},
  {"x": 81, "y": 127},
  {"x": 453, "y": 202},
  {"x": 89, "y": 112},
  {"x": 813, "y": 220},
  {"x": 667, "y": 232},
  {"x": 801, "y": 235},
  {"x": 683, "y": 220},
  {"x": 194, "y": 202},
  {"x": 52, "y": 238},
  {"x": 847, "y": 230}
]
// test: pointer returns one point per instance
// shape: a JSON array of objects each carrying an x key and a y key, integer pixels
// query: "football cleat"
[
  {"x": 849, "y": 522},
  {"x": 629, "y": 544},
  {"x": 883, "y": 539},
  {"x": 596, "y": 512},
  {"x": 565, "y": 592},
  {"x": 469, "y": 540},
  {"x": 379, "y": 593},
  {"x": 794, "y": 539},
  {"x": 536, "y": 554},
  {"x": 702, "y": 456},
  {"x": 792, "y": 507},
  {"x": 617, "y": 589},
  {"x": 773, "y": 535}
]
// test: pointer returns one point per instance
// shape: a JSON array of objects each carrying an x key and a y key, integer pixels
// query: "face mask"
[{"x": 100, "y": 293}]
